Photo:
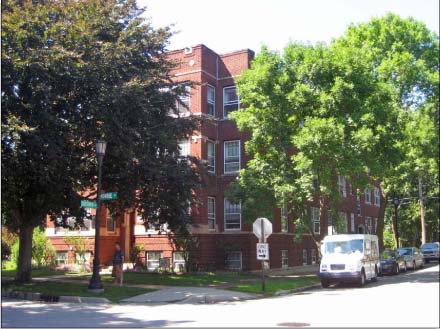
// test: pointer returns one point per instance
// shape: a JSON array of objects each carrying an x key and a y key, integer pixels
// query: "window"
[
  {"x": 233, "y": 260},
  {"x": 183, "y": 103},
  {"x": 153, "y": 258},
  {"x": 359, "y": 212},
  {"x": 232, "y": 156},
  {"x": 61, "y": 257},
  {"x": 110, "y": 222},
  {"x": 367, "y": 196},
  {"x": 232, "y": 215},
  {"x": 211, "y": 157},
  {"x": 284, "y": 259},
  {"x": 211, "y": 100},
  {"x": 369, "y": 224},
  {"x": 284, "y": 220},
  {"x": 304, "y": 256},
  {"x": 230, "y": 100},
  {"x": 315, "y": 220},
  {"x": 376, "y": 196},
  {"x": 343, "y": 219},
  {"x": 178, "y": 261},
  {"x": 330, "y": 227},
  {"x": 211, "y": 213},
  {"x": 350, "y": 189},
  {"x": 341, "y": 185},
  {"x": 184, "y": 148},
  {"x": 82, "y": 259},
  {"x": 352, "y": 222},
  {"x": 313, "y": 256}
]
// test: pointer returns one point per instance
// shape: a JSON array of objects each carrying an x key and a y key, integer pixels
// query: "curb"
[
  {"x": 293, "y": 291},
  {"x": 38, "y": 297}
]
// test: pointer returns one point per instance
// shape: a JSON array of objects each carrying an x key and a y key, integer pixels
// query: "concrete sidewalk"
[{"x": 190, "y": 295}]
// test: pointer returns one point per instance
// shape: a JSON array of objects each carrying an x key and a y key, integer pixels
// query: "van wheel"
[
  {"x": 374, "y": 278},
  {"x": 362, "y": 279},
  {"x": 414, "y": 265},
  {"x": 325, "y": 283}
]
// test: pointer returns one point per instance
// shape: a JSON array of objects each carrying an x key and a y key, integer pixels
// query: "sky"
[{"x": 228, "y": 25}]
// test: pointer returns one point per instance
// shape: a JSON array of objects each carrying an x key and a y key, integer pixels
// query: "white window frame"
[
  {"x": 224, "y": 156},
  {"x": 226, "y": 202},
  {"x": 87, "y": 255},
  {"x": 211, "y": 214},
  {"x": 352, "y": 224},
  {"x": 210, "y": 158},
  {"x": 107, "y": 220},
  {"x": 183, "y": 99},
  {"x": 342, "y": 186},
  {"x": 313, "y": 256},
  {"x": 178, "y": 264},
  {"x": 210, "y": 101},
  {"x": 61, "y": 260},
  {"x": 153, "y": 261},
  {"x": 305, "y": 257},
  {"x": 367, "y": 193},
  {"x": 284, "y": 258},
  {"x": 228, "y": 261},
  {"x": 314, "y": 215},
  {"x": 359, "y": 205},
  {"x": 343, "y": 217},
  {"x": 369, "y": 224},
  {"x": 284, "y": 219},
  {"x": 230, "y": 103},
  {"x": 376, "y": 196},
  {"x": 185, "y": 148}
]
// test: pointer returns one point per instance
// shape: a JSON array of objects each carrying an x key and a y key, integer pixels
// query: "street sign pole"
[{"x": 263, "y": 283}]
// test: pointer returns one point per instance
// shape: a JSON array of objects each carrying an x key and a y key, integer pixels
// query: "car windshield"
[
  {"x": 430, "y": 246},
  {"x": 405, "y": 251},
  {"x": 388, "y": 255},
  {"x": 344, "y": 247}
]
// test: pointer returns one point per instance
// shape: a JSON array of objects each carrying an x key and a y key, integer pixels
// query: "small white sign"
[
  {"x": 262, "y": 251},
  {"x": 267, "y": 227}
]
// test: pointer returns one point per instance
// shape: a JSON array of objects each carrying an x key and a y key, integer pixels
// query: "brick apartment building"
[{"x": 224, "y": 241}]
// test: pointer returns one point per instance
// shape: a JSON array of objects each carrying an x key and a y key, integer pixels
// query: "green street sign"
[
  {"x": 88, "y": 204},
  {"x": 109, "y": 196}
]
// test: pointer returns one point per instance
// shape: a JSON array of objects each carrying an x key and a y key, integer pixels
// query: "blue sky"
[{"x": 228, "y": 25}]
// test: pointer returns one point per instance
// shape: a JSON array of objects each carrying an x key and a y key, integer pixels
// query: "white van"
[{"x": 349, "y": 257}]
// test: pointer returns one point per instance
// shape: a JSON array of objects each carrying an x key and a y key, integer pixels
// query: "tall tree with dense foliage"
[{"x": 74, "y": 72}]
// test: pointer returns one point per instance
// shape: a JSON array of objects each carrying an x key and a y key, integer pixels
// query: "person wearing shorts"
[{"x": 118, "y": 261}]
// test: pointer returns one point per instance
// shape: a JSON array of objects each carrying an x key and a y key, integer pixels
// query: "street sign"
[
  {"x": 267, "y": 228},
  {"x": 262, "y": 251},
  {"x": 88, "y": 204},
  {"x": 109, "y": 196}
]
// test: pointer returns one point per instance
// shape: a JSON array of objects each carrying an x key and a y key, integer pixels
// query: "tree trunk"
[
  {"x": 381, "y": 220},
  {"x": 422, "y": 210},
  {"x": 25, "y": 254}
]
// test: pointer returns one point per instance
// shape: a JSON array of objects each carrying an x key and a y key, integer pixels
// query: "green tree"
[
  {"x": 42, "y": 249},
  {"x": 73, "y": 72},
  {"x": 80, "y": 245}
]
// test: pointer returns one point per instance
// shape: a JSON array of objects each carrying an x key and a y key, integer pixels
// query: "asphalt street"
[{"x": 407, "y": 300}]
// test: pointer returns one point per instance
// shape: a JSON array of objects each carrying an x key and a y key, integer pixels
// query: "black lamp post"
[
  {"x": 396, "y": 203},
  {"x": 95, "y": 282}
]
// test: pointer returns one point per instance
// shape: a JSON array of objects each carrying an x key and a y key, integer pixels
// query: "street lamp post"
[
  {"x": 95, "y": 282},
  {"x": 396, "y": 203}
]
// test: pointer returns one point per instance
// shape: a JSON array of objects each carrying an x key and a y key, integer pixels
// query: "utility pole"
[{"x": 422, "y": 210}]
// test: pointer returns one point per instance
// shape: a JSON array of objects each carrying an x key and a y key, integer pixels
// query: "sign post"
[{"x": 262, "y": 229}]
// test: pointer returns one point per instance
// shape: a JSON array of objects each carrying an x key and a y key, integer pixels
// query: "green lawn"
[
  {"x": 176, "y": 279},
  {"x": 113, "y": 293},
  {"x": 275, "y": 285},
  {"x": 35, "y": 273}
]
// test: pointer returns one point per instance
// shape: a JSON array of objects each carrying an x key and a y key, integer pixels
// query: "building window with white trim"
[
  {"x": 352, "y": 228},
  {"x": 315, "y": 220},
  {"x": 341, "y": 186},
  {"x": 233, "y": 260},
  {"x": 183, "y": 104},
  {"x": 284, "y": 259},
  {"x": 343, "y": 219},
  {"x": 211, "y": 156},
  {"x": 232, "y": 156},
  {"x": 367, "y": 196},
  {"x": 61, "y": 257},
  {"x": 305, "y": 257},
  {"x": 178, "y": 261},
  {"x": 284, "y": 220},
  {"x": 232, "y": 215},
  {"x": 211, "y": 213},
  {"x": 153, "y": 258},
  {"x": 184, "y": 148},
  {"x": 313, "y": 256},
  {"x": 369, "y": 224},
  {"x": 376, "y": 196},
  {"x": 230, "y": 100},
  {"x": 83, "y": 258},
  {"x": 358, "y": 199},
  {"x": 211, "y": 100},
  {"x": 110, "y": 222}
]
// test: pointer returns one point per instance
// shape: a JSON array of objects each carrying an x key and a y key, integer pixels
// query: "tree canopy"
[{"x": 74, "y": 72}]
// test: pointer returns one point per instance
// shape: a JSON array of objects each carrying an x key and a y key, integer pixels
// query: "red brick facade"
[{"x": 206, "y": 69}]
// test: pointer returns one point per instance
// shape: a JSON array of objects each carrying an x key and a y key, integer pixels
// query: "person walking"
[{"x": 118, "y": 262}]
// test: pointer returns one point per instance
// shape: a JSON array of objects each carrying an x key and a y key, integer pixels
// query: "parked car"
[
  {"x": 430, "y": 251},
  {"x": 391, "y": 262},
  {"x": 413, "y": 257}
]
